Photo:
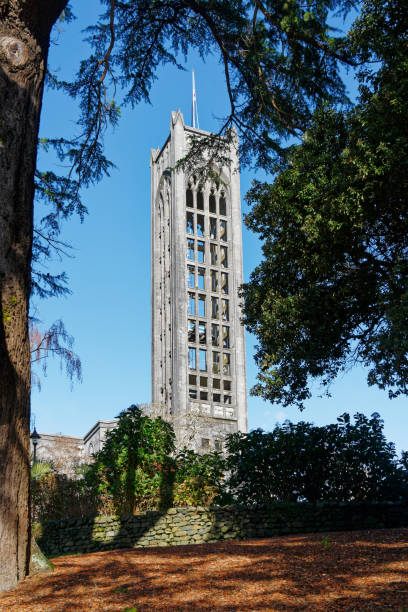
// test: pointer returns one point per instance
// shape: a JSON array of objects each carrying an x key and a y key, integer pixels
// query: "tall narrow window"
[
  {"x": 202, "y": 332},
  {"x": 203, "y": 381},
  {"x": 211, "y": 203},
  {"x": 225, "y": 337},
  {"x": 227, "y": 385},
  {"x": 200, "y": 251},
  {"x": 192, "y": 363},
  {"x": 216, "y": 363},
  {"x": 225, "y": 310},
  {"x": 200, "y": 200},
  {"x": 223, "y": 205},
  {"x": 223, "y": 231},
  {"x": 214, "y": 280},
  {"x": 224, "y": 257},
  {"x": 226, "y": 364},
  {"x": 189, "y": 222},
  {"x": 200, "y": 225},
  {"x": 192, "y": 380},
  {"x": 203, "y": 360},
  {"x": 191, "y": 331},
  {"x": 203, "y": 395},
  {"x": 190, "y": 249},
  {"x": 201, "y": 279},
  {"x": 213, "y": 228},
  {"x": 192, "y": 393},
  {"x": 201, "y": 305},
  {"x": 227, "y": 399},
  {"x": 189, "y": 198},
  {"x": 224, "y": 283},
  {"x": 214, "y": 307},
  {"x": 191, "y": 304},
  {"x": 191, "y": 277},
  {"x": 214, "y": 254},
  {"x": 215, "y": 334}
]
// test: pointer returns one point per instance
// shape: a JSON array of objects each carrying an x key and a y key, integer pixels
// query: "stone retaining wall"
[{"x": 195, "y": 525}]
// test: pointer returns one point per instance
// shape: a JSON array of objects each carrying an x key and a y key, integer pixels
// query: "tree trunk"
[{"x": 25, "y": 27}]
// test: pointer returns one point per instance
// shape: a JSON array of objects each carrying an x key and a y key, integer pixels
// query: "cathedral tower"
[{"x": 198, "y": 343}]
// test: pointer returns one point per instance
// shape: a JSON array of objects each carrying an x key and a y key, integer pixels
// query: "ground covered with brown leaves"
[{"x": 361, "y": 571}]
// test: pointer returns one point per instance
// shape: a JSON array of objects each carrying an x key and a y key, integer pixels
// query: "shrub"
[
  {"x": 295, "y": 462},
  {"x": 56, "y": 496},
  {"x": 199, "y": 479}
]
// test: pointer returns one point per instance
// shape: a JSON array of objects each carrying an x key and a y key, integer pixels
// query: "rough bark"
[{"x": 24, "y": 38}]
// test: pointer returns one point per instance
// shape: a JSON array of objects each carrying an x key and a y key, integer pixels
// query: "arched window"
[
  {"x": 223, "y": 205},
  {"x": 189, "y": 198},
  {"x": 212, "y": 203}
]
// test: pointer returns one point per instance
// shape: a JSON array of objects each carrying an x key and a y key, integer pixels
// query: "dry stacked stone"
[{"x": 196, "y": 525}]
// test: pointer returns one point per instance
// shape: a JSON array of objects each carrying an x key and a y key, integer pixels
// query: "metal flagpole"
[{"x": 195, "y": 110}]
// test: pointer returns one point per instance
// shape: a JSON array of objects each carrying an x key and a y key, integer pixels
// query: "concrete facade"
[
  {"x": 198, "y": 342},
  {"x": 67, "y": 452},
  {"x": 94, "y": 440}
]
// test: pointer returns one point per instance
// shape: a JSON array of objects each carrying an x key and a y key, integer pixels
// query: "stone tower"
[{"x": 198, "y": 343}]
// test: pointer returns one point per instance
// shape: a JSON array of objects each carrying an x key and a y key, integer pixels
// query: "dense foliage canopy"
[
  {"x": 332, "y": 288},
  {"x": 304, "y": 462}
]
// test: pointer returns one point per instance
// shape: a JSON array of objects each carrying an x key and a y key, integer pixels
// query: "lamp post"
[{"x": 35, "y": 437}]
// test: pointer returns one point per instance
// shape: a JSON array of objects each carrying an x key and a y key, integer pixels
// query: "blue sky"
[{"x": 108, "y": 312}]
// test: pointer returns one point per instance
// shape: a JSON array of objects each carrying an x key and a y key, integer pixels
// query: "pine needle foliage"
[{"x": 331, "y": 290}]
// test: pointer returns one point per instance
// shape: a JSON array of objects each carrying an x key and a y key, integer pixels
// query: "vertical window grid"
[{"x": 220, "y": 361}]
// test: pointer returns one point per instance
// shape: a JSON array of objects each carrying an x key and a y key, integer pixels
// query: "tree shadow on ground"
[{"x": 360, "y": 571}]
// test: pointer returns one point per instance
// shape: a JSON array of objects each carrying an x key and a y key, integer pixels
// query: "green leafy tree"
[
  {"x": 304, "y": 462},
  {"x": 280, "y": 59},
  {"x": 137, "y": 468},
  {"x": 134, "y": 466},
  {"x": 332, "y": 288}
]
